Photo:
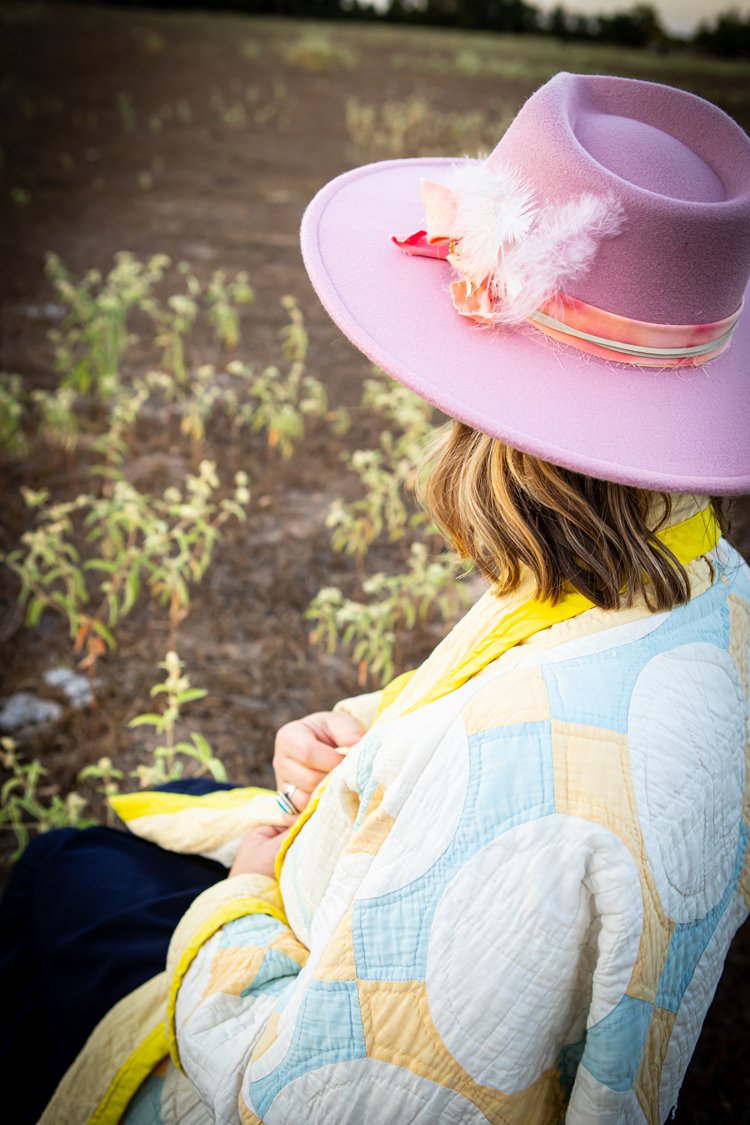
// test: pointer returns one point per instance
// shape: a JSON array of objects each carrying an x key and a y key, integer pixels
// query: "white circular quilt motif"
[
  {"x": 371, "y": 1091},
  {"x": 515, "y": 939},
  {"x": 427, "y": 820},
  {"x": 686, "y": 735}
]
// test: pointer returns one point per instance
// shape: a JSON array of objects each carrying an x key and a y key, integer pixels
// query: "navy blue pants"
[{"x": 87, "y": 916}]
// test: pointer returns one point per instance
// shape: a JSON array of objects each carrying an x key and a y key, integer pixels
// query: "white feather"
[
  {"x": 523, "y": 252},
  {"x": 494, "y": 210},
  {"x": 559, "y": 248}
]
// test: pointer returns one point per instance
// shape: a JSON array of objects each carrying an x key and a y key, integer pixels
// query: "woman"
[{"x": 509, "y": 900}]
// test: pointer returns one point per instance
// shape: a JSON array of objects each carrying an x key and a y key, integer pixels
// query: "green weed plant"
[
  {"x": 89, "y": 559},
  {"x": 315, "y": 50},
  {"x": 27, "y": 806},
  {"x": 12, "y": 405},
  {"x": 387, "y": 474},
  {"x": 279, "y": 402},
  {"x": 374, "y": 626},
  {"x": 168, "y": 756},
  {"x": 94, "y": 558},
  {"x": 415, "y": 126},
  {"x": 94, "y": 334}
]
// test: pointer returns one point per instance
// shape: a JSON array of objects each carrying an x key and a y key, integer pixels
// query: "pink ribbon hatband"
[
  {"x": 606, "y": 334},
  {"x": 587, "y": 327}
]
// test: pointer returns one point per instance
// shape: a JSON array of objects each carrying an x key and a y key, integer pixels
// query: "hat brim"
[{"x": 677, "y": 429}]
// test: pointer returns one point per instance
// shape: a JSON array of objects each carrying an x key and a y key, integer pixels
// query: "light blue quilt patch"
[
  {"x": 596, "y": 690},
  {"x": 511, "y": 781},
  {"x": 273, "y": 966},
  {"x": 593, "y": 690},
  {"x": 690, "y": 939},
  {"x": 614, "y": 1046},
  {"x": 280, "y": 987},
  {"x": 251, "y": 930},
  {"x": 145, "y": 1105},
  {"x": 390, "y": 933},
  {"x": 328, "y": 1030},
  {"x": 567, "y": 1064},
  {"x": 364, "y": 780},
  {"x": 698, "y": 620}
]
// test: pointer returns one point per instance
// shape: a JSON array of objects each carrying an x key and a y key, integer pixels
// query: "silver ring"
[
  {"x": 285, "y": 804},
  {"x": 288, "y": 794}
]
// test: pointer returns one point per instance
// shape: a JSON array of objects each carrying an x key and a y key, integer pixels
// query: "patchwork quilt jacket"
[{"x": 511, "y": 905}]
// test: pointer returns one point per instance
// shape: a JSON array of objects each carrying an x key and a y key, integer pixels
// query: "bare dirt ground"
[{"x": 224, "y": 188}]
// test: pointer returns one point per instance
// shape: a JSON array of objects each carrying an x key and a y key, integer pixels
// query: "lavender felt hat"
[{"x": 578, "y": 294}]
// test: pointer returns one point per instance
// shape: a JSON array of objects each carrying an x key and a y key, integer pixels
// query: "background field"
[{"x": 203, "y": 137}]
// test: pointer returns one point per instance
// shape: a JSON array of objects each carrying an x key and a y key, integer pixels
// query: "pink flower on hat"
[{"x": 513, "y": 254}]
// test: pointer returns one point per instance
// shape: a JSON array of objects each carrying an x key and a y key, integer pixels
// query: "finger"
[
  {"x": 311, "y": 742},
  {"x": 307, "y": 751},
  {"x": 270, "y": 830},
  {"x": 278, "y": 838},
  {"x": 291, "y": 772},
  {"x": 262, "y": 830},
  {"x": 258, "y": 835},
  {"x": 345, "y": 729},
  {"x": 336, "y": 728}
]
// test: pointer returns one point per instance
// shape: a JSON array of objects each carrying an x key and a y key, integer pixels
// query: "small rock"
[
  {"x": 73, "y": 684},
  {"x": 43, "y": 312},
  {"x": 201, "y": 251},
  {"x": 25, "y": 710}
]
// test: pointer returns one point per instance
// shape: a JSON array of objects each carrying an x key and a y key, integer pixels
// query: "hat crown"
[
  {"x": 680, "y": 169},
  {"x": 649, "y": 158}
]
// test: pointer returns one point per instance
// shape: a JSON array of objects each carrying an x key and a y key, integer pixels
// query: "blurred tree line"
[
  {"x": 639, "y": 25},
  {"x": 729, "y": 35}
]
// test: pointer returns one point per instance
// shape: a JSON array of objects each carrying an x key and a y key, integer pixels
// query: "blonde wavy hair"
[{"x": 511, "y": 512}]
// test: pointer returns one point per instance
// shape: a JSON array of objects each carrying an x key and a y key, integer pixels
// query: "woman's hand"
[
  {"x": 258, "y": 849},
  {"x": 306, "y": 750}
]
